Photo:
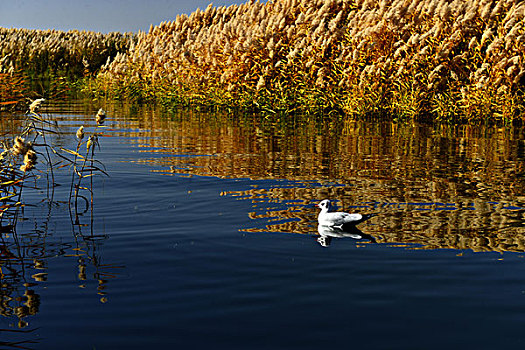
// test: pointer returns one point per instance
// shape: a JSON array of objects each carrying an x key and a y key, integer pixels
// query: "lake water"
[{"x": 204, "y": 235}]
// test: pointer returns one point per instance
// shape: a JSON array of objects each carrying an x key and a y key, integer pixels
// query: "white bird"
[{"x": 338, "y": 219}]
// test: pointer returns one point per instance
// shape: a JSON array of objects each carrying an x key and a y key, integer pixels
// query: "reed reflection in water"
[
  {"x": 458, "y": 187},
  {"x": 141, "y": 262}
]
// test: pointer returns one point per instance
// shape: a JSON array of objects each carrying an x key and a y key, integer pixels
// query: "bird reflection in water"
[{"x": 327, "y": 233}]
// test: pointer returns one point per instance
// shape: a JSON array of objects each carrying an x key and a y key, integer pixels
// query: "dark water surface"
[{"x": 205, "y": 236}]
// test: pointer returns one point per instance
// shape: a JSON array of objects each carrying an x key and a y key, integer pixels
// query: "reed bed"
[
  {"x": 35, "y": 63},
  {"x": 440, "y": 59},
  {"x": 71, "y": 53}
]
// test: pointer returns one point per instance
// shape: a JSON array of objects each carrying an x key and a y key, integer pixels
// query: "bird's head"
[{"x": 324, "y": 204}]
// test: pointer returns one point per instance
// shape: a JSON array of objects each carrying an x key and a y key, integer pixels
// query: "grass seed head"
[
  {"x": 101, "y": 115},
  {"x": 30, "y": 160},
  {"x": 80, "y": 133},
  {"x": 34, "y": 107},
  {"x": 20, "y": 147},
  {"x": 89, "y": 143}
]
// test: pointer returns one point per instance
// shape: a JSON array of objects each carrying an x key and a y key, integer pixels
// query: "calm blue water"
[{"x": 211, "y": 254}]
